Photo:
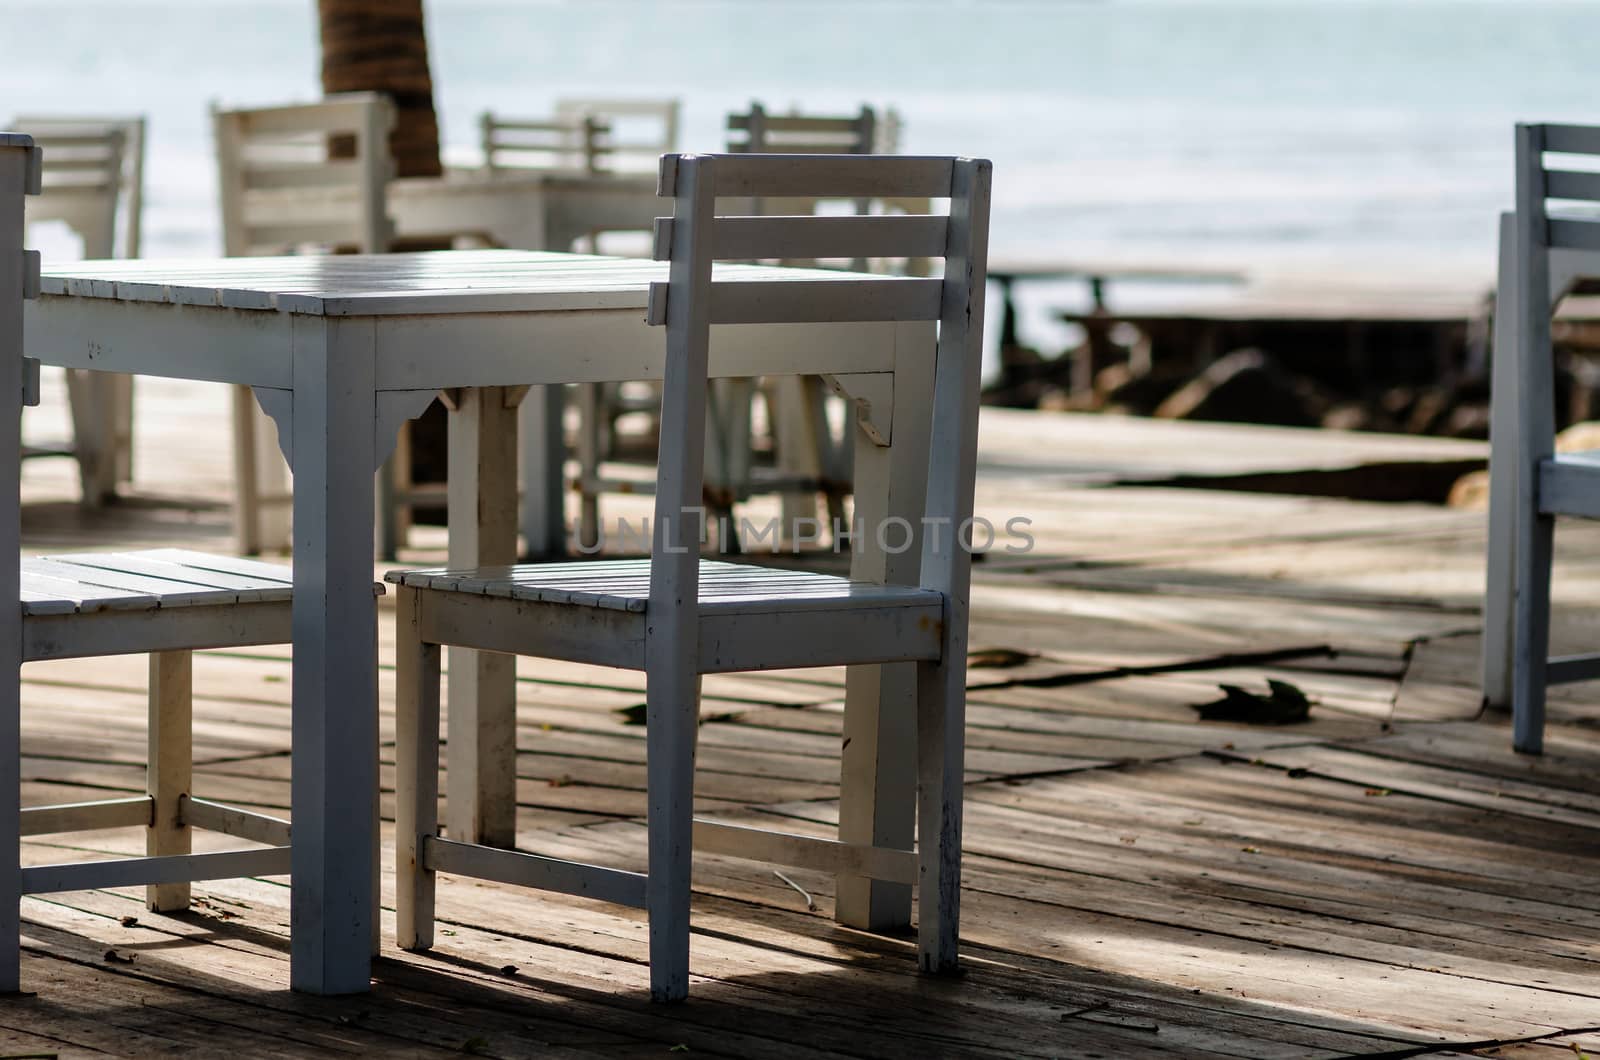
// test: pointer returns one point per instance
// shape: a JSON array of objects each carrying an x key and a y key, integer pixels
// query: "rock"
[
  {"x": 1359, "y": 416},
  {"x": 1470, "y": 492},
  {"x": 1122, "y": 389},
  {"x": 1579, "y": 438},
  {"x": 1469, "y": 420},
  {"x": 1429, "y": 413},
  {"x": 1247, "y": 386}
]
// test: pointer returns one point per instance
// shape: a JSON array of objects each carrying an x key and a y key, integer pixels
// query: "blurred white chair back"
[
  {"x": 297, "y": 178},
  {"x": 93, "y": 183},
  {"x": 306, "y": 175}
]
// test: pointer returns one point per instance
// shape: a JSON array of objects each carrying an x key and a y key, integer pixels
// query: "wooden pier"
[{"x": 1385, "y": 879}]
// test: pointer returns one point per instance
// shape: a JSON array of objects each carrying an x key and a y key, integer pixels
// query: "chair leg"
[
  {"x": 941, "y": 736},
  {"x": 246, "y": 487},
  {"x": 91, "y": 434},
  {"x": 416, "y": 773},
  {"x": 1530, "y": 657},
  {"x": 122, "y": 436},
  {"x": 591, "y": 430},
  {"x": 672, "y": 723},
  {"x": 170, "y": 769},
  {"x": 394, "y": 511}
]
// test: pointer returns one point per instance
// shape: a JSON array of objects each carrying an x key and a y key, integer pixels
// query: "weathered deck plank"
[{"x": 1385, "y": 877}]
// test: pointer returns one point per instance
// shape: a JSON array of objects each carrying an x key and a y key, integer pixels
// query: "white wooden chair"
[
  {"x": 94, "y": 184},
  {"x": 638, "y": 131},
  {"x": 676, "y": 617},
  {"x": 281, "y": 193},
  {"x": 576, "y": 143},
  {"x": 164, "y": 602},
  {"x": 583, "y": 135},
  {"x": 1544, "y": 252}
]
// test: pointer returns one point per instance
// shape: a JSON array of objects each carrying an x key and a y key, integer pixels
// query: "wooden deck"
[{"x": 1384, "y": 880}]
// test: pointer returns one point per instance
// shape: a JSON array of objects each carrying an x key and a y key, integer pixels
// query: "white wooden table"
[{"x": 340, "y": 350}]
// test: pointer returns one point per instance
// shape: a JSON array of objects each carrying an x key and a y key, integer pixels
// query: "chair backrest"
[
  {"x": 692, "y": 301},
  {"x": 640, "y": 131},
  {"x": 757, "y": 132},
  {"x": 572, "y": 143},
  {"x": 306, "y": 174},
  {"x": 1556, "y": 243},
  {"x": 1560, "y": 204},
  {"x": 95, "y": 178}
]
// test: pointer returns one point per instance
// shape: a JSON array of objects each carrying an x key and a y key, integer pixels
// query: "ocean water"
[{"x": 1358, "y": 136}]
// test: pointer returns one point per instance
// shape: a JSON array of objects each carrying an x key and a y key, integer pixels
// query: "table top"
[{"x": 445, "y": 281}]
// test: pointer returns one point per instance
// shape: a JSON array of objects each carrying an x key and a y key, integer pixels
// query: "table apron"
[
  {"x": 203, "y": 343},
  {"x": 435, "y": 352},
  {"x": 510, "y": 349}
]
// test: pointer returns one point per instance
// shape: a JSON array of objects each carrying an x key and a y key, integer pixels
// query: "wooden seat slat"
[
  {"x": 163, "y": 592},
  {"x": 625, "y": 586}
]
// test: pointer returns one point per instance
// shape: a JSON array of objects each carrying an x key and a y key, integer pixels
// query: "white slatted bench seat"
[
  {"x": 165, "y": 602},
  {"x": 676, "y": 616}
]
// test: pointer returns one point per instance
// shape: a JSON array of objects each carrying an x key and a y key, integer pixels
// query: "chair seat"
[
  {"x": 751, "y": 618},
  {"x": 81, "y": 583},
  {"x": 624, "y": 585}
]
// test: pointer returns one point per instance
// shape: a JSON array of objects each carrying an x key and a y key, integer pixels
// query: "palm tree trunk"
[{"x": 382, "y": 46}]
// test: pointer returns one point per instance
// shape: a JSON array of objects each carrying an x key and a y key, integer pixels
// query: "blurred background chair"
[
  {"x": 305, "y": 178},
  {"x": 94, "y": 185},
  {"x": 576, "y": 143},
  {"x": 676, "y": 616},
  {"x": 638, "y": 131},
  {"x": 1545, "y": 250},
  {"x": 809, "y": 437},
  {"x": 593, "y": 135}
]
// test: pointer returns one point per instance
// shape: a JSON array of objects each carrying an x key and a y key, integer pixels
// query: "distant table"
[
  {"x": 1008, "y": 272},
  {"x": 340, "y": 351},
  {"x": 525, "y": 209}
]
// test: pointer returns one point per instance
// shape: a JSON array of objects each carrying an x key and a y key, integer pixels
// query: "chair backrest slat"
[
  {"x": 1574, "y": 235},
  {"x": 1572, "y": 139},
  {"x": 811, "y": 236},
  {"x": 825, "y": 176},
  {"x": 851, "y": 298},
  {"x": 758, "y": 132},
  {"x": 283, "y": 189},
  {"x": 692, "y": 301},
  {"x": 1539, "y": 183},
  {"x": 566, "y": 143},
  {"x": 1568, "y": 184}
]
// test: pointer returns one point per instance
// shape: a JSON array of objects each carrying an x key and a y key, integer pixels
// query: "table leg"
[
  {"x": 878, "y": 779},
  {"x": 481, "y": 793},
  {"x": 544, "y": 454},
  {"x": 335, "y": 724}
]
